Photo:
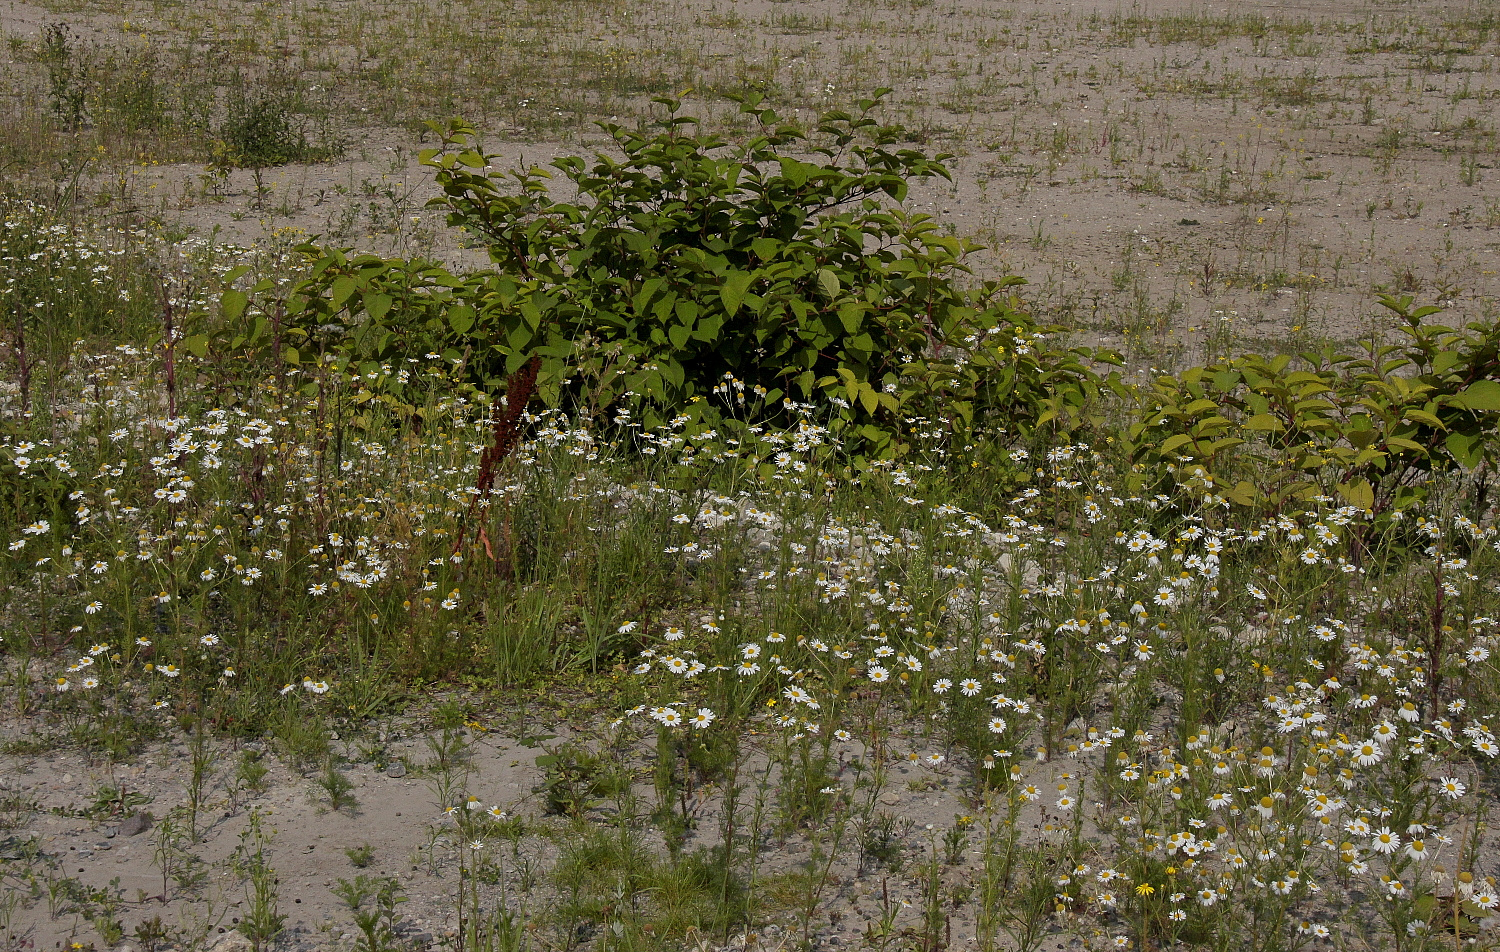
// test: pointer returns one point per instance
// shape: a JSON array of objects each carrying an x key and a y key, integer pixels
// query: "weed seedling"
[{"x": 338, "y": 788}]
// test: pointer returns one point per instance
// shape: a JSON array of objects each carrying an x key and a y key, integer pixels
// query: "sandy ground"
[{"x": 70, "y": 817}]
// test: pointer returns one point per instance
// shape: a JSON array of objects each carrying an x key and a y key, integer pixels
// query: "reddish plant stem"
[{"x": 506, "y": 430}]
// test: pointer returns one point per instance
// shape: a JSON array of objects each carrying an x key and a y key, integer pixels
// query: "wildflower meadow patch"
[{"x": 723, "y": 567}]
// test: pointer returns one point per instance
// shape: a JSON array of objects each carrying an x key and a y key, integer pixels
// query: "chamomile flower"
[
  {"x": 1368, "y": 753},
  {"x": 1384, "y": 841}
]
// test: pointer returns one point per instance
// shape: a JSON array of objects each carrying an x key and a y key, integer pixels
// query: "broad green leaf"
[
  {"x": 732, "y": 292},
  {"x": 520, "y": 340},
  {"x": 828, "y": 283},
  {"x": 233, "y": 304},
  {"x": 1359, "y": 493},
  {"x": 342, "y": 290},
  {"x": 1467, "y": 449},
  {"x": 766, "y": 248},
  {"x": 1241, "y": 493},
  {"x": 1173, "y": 443},
  {"x": 851, "y": 315},
  {"x": 377, "y": 305},
  {"x": 515, "y": 360},
  {"x": 1225, "y": 380},
  {"x": 708, "y": 328},
  {"x": 197, "y": 345},
  {"x": 1482, "y": 395},
  {"x": 642, "y": 299},
  {"x": 1422, "y": 416},
  {"x": 461, "y": 319}
]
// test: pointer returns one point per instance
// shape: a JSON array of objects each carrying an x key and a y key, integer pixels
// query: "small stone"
[
  {"x": 890, "y": 799},
  {"x": 102, "y": 846},
  {"x": 136, "y": 824},
  {"x": 232, "y": 942},
  {"x": 396, "y": 771}
]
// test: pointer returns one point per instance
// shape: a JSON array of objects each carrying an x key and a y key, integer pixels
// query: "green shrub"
[
  {"x": 1368, "y": 429},
  {"x": 262, "y": 130},
  {"x": 692, "y": 276}
]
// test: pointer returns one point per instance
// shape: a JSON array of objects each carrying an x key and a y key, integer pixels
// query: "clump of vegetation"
[
  {"x": 262, "y": 130},
  {"x": 692, "y": 270}
]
